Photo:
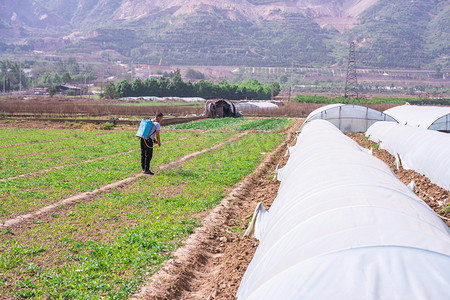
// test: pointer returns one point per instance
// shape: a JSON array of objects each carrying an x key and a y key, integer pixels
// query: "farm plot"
[
  {"x": 238, "y": 124},
  {"x": 74, "y": 151},
  {"x": 75, "y": 140},
  {"x": 107, "y": 246},
  {"x": 267, "y": 124},
  {"x": 21, "y": 195},
  {"x": 10, "y": 137}
]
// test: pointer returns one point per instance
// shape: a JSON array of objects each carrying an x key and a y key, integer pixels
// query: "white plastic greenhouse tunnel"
[
  {"x": 424, "y": 151},
  {"x": 344, "y": 227},
  {"x": 427, "y": 117},
  {"x": 256, "y": 105},
  {"x": 348, "y": 117}
]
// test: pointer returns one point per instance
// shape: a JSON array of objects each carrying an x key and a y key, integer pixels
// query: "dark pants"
[{"x": 146, "y": 154}]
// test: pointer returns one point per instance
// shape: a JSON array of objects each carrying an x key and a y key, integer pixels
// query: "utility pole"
[
  {"x": 131, "y": 74},
  {"x": 351, "y": 82},
  {"x": 271, "y": 95},
  {"x": 290, "y": 81},
  {"x": 103, "y": 79},
  {"x": 20, "y": 75}
]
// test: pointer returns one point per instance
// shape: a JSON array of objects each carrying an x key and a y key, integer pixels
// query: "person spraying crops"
[{"x": 149, "y": 133}]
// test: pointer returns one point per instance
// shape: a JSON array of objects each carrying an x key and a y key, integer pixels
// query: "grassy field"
[
  {"x": 238, "y": 124},
  {"x": 107, "y": 246}
]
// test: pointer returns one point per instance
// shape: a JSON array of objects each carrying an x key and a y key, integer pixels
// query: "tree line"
[
  {"x": 28, "y": 73},
  {"x": 176, "y": 87},
  {"x": 12, "y": 76}
]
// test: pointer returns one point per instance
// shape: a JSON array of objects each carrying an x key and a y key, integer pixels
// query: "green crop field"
[
  {"x": 108, "y": 245},
  {"x": 238, "y": 124}
]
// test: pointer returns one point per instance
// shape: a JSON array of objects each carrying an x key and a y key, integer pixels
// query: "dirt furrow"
[
  {"x": 88, "y": 195},
  {"x": 212, "y": 261}
]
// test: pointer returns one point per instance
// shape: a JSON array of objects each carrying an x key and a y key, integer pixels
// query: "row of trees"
[
  {"x": 15, "y": 74},
  {"x": 176, "y": 87},
  {"x": 63, "y": 71},
  {"x": 12, "y": 76}
]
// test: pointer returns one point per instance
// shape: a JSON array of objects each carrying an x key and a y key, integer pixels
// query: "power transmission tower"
[{"x": 351, "y": 82}]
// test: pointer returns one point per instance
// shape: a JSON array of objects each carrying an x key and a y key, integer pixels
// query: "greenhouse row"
[
  {"x": 356, "y": 118},
  {"x": 343, "y": 226},
  {"x": 424, "y": 151}
]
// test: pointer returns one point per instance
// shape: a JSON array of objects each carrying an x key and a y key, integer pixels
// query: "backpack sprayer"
[{"x": 144, "y": 130}]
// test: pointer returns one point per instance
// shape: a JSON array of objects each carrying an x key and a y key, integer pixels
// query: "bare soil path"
[{"x": 213, "y": 260}]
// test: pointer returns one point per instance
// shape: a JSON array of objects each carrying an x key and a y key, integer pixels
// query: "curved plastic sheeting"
[
  {"x": 256, "y": 105},
  {"x": 348, "y": 117},
  {"x": 424, "y": 151},
  {"x": 427, "y": 117},
  {"x": 344, "y": 227}
]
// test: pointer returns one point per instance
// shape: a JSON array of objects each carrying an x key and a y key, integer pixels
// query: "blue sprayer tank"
[{"x": 144, "y": 129}]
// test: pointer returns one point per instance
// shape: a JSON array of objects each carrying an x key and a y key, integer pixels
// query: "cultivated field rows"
[
  {"x": 22, "y": 195},
  {"x": 21, "y": 137},
  {"x": 269, "y": 124},
  {"x": 83, "y": 150},
  {"x": 106, "y": 245}
]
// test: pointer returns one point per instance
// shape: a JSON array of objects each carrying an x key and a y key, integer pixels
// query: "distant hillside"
[{"x": 401, "y": 33}]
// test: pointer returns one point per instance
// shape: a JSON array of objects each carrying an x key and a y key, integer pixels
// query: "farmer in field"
[{"x": 147, "y": 144}]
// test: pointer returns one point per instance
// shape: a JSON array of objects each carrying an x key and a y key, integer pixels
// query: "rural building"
[{"x": 62, "y": 89}]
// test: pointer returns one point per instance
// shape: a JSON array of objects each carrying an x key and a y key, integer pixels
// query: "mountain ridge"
[{"x": 248, "y": 31}]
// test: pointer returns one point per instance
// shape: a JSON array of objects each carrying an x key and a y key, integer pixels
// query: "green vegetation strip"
[
  {"x": 27, "y": 194},
  {"x": 16, "y": 136},
  {"x": 268, "y": 124},
  {"x": 111, "y": 144},
  {"x": 373, "y": 100},
  {"x": 212, "y": 124},
  {"x": 76, "y": 139},
  {"x": 108, "y": 247}
]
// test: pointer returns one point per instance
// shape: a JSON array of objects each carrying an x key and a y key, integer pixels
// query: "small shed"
[
  {"x": 220, "y": 108},
  {"x": 62, "y": 89}
]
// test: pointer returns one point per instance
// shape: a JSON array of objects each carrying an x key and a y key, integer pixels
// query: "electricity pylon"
[{"x": 351, "y": 82}]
